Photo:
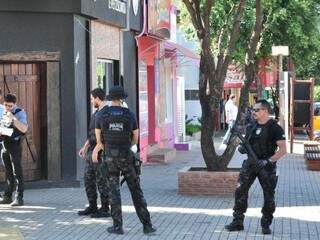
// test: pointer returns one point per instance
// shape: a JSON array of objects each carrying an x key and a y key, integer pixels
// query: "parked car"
[
  {"x": 316, "y": 116},
  {"x": 316, "y": 121}
]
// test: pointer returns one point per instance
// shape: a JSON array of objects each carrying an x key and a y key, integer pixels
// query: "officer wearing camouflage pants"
[
  {"x": 118, "y": 129},
  {"x": 93, "y": 176},
  {"x": 267, "y": 140}
]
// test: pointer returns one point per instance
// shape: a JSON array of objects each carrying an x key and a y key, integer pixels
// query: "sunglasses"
[{"x": 258, "y": 109}]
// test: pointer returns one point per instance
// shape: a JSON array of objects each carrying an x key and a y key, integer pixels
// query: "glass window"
[{"x": 105, "y": 74}]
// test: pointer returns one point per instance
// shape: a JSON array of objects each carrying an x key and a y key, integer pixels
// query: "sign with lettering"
[
  {"x": 118, "y": 6},
  {"x": 234, "y": 77}
]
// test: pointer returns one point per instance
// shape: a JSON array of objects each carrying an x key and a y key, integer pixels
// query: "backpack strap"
[{"x": 17, "y": 111}]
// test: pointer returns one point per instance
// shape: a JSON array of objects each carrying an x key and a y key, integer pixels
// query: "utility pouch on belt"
[{"x": 117, "y": 153}]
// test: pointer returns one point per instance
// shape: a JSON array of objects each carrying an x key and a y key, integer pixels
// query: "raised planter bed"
[{"x": 199, "y": 181}]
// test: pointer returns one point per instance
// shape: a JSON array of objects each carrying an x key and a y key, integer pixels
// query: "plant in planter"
[{"x": 192, "y": 128}]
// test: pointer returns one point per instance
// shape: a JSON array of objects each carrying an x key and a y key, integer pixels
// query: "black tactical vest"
[
  {"x": 117, "y": 127},
  {"x": 261, "y": 140}
]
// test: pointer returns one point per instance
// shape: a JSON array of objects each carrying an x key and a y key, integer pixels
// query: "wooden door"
[{"x": 23, "y": 79}]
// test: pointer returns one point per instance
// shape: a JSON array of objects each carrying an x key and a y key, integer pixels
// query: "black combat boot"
[
  {"x": 91, "y": 209},
  {"x": 18, "y": 201},
  {"x": 266, "y": 230},
  {"x": 102, "y": 212},
  {"x": 235, "y": 225},
  {"x": 5, "y": 200},
  {"x": 115, "y": 230},
  {"x": 148, "y": 229}
]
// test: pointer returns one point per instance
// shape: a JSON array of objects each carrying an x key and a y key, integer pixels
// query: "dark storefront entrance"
[{"x": 96, "y": 40}]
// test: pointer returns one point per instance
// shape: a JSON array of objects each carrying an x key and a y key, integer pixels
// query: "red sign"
[
  {"x": 268, "y": 73},
  {"x": 159, "y": 18},
  {"x": 234, "y": 78}
]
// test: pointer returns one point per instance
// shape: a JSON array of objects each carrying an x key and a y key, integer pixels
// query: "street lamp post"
[{"x": 281, "y": 51}]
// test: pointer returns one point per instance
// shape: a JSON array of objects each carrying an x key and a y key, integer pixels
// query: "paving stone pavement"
[{"x": 52, "y": 213}]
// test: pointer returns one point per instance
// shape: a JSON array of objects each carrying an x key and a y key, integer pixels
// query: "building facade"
[
  {"x": 160, "y": 91},
  {"x": 52, "y": 54}
]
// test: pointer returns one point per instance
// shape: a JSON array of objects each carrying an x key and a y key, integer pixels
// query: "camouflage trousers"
[
  {"x": 94, "y": 179},
  {"x": 268, "y": 180},
  {"x": 125, "y": 167}
]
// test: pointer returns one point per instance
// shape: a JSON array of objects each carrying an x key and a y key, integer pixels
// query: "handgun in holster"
[{"x": 137, "y": 164}]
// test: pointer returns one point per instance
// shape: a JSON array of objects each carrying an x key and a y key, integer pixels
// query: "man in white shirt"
[
  {"x": 2, "y": 110},
  {"x": 231, "y": 111}
]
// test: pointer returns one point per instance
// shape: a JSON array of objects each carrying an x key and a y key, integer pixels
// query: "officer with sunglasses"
[{"x": 267, "y": 140}]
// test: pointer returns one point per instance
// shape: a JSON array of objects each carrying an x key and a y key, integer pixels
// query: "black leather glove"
[
  {"x": 242, "y": 149},
  {"x": 262, "y": 163},
  {"x": 270, "y": 166}
]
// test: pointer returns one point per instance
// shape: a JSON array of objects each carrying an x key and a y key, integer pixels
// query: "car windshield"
[{"x": 316, "y": 108}]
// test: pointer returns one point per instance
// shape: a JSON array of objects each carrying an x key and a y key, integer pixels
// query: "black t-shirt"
[
  {"x": 264, "y": 138},
  {"x": 91, "y": 133},
  {"x": 100, "y": 113},
  {"x": 277, "y": 132}
]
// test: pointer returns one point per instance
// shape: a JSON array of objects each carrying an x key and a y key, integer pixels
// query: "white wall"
[{"x": 193, "y": 110}]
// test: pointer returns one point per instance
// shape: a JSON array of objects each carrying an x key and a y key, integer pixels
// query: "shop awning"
[
  {"x": 182, "y": 50},
  {"x": 150, "y": 48}
]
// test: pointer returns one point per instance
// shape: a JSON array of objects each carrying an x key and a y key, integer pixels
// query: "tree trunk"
[
  {"x": 210, "y": 106},
  {"x": 214, "y": 76},
  {"x": 207, "y": 131}
]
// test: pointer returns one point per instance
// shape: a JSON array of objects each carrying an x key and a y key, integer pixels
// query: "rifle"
[{"x": 252, "y": 157}]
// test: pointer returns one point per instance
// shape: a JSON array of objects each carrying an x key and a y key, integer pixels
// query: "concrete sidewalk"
[{"x": 52, "y": 213}]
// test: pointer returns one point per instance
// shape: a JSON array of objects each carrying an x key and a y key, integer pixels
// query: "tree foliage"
[
  {"x": 241, "y": 32},
  {"x": 222, "y": 34},
  {"x": 293, "y": 23},
  {"x": 316, "y": 95}
]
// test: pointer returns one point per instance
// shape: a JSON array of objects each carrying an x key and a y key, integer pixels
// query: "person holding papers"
[{"x": 16, "y": 118}]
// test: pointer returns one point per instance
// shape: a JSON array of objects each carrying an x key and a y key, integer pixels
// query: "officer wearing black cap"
[{"x": 116, "y": 131}]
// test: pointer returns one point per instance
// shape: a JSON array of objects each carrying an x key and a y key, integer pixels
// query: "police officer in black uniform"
[
  {"x": 11, "y": 154},
  {"x": 93, "y": 174},
  {"x": 267, "y": 140},
  {"x": 116, "y": 132}
]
